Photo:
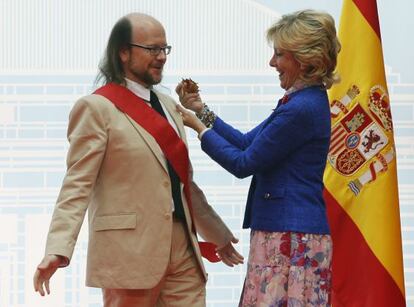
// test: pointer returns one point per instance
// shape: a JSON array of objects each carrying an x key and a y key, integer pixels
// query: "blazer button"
[
  {"x": 267, "y": 196},
  {"x": 167, "y": 216},
  {"x": 166, "y": 184}
]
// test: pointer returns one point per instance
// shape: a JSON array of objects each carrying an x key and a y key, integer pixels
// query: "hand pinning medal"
[{"x": 189, "y": 86}]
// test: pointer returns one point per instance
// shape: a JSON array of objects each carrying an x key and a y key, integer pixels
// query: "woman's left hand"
[{"x": 191, "y": 120}]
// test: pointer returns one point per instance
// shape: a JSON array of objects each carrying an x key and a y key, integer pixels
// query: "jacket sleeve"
[
  {"x": 233, "y": 136},
  {"x": 208, "y": 223},
  {"x": 87, "y": 138},
  {"x": 285, "y": 133}
]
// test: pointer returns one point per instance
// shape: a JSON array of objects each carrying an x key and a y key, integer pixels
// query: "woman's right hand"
[{"x": 191, "y": 101}]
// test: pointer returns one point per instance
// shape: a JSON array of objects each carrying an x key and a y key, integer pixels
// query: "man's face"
[{"x": 138, "y": 63}]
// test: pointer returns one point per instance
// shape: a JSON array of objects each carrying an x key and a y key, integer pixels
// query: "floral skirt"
[{"x": 288, "y": 269}]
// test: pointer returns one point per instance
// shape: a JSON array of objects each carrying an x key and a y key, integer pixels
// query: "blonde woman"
[{"x": 290, "y": 249}]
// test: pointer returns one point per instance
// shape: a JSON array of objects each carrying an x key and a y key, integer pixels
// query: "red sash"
[{"x": 171, "y": 144}]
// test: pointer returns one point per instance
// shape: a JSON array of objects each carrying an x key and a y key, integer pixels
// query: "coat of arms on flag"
[{"x": 359, "y": 138}]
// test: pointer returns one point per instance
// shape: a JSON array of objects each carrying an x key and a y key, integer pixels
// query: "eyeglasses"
[{"x": 153, "y": 50}]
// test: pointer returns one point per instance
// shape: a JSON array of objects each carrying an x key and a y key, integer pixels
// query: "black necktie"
[{"x": 175, "y": 180}]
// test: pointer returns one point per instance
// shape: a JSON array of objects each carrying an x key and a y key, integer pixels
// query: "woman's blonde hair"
[{"x": 311, "y": 37}]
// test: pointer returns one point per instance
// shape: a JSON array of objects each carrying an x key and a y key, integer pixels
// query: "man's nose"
[{"x": 162, "y": 56}]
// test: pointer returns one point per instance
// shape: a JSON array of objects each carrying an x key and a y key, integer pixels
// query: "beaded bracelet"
[{"x": 207, "y": 116}]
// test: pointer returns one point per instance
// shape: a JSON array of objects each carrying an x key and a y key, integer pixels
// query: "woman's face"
[{"x": 287, "y": 67}]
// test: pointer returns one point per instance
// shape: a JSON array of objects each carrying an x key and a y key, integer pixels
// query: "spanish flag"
[{"x": 361, "y": 176}]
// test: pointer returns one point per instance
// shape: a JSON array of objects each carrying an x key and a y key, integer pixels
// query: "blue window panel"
[
  {"x": 60, "y": 90},
  {"x": 234, "y": 112},
  {"x": 21, "y": 240},
  {"x": 44, "y": 79},
  {"x": 29, "y": 90},
  {"x": 243, "y": 182},
  {"x": 10, "y": 134},
  {"x": 232, "y": 223},
  {"x": 261, "y": 112},
  {"x": 273, "y": 90},
  {"x": 21, "y": 255},
  {"x": 94, "y": 291},
  {"x": 239, "y": 90},
  {"x": 227, "y": 280},
  {"x": 20, "y": 180},
  {"x": 214, "y": 294},
  {"x": 68, "y": 297},
  {"x": 21, "y": 226},
  {"x": 212, "y": 90},
  {"x": 54, "y": 179},
  {"x": 393, "y": 79},
  {"x": 44, "y": 113},
  {"x": 408, "y": 249},
  {"x": 402, "y": 113},
  {"x": 56, "y": 133},
  {"x": 216, "y": 178},
  {"x": 223, "y": 79},
  {"x": 257, "y": 90},
  {"x": 68, "y": 282},
  {"x": 10, "y": 90},
  {"x": 405, "y": 176},
  {"x": 223, "y": 210},
  {"x": 20, "y": 296},
  {"x": 402, "y": 131},
  {"x": 80, "y": 90},
  {"x": 409, "y": 263},
  {"x": 31, "y": 134},
  {"x": 399, "y": 89}
]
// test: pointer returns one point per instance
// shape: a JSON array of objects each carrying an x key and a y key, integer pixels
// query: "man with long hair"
[{"x": 128, "y": 166}]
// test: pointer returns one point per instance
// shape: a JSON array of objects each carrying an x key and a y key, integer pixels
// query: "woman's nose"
[{"x": 272, "y": 61}]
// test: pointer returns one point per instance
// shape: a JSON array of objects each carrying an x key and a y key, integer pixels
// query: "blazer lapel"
[
  {"x": 150, "y": 141},
  {"x": 171, "y": 108}
]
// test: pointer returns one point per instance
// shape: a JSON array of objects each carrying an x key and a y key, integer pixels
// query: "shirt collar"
[
  {"x": 138, "y": 89},
  {"x": 298, "y": 85}
]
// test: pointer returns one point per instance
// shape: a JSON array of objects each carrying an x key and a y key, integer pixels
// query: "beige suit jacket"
[{"x": 116, "y": 171}]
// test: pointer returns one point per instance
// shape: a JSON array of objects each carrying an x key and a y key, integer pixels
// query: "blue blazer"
[{"x": 286, "y": 154}]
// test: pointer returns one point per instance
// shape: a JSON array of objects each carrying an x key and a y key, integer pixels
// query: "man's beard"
[{"x": 146, "y": 77}]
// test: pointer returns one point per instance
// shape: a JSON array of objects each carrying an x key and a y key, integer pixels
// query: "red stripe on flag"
[
  {"x": 359, "y": 279},
  {"x": 337, "y": 139},
  {"x": 334, "y": 150},
  {"x": 368, "y": 9},
  {"x": 337, "y": 132},
  {"x": 339, "y": 127}
]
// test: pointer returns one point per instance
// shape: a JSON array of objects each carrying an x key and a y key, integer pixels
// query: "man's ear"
[{"x": 124, "y": 54}]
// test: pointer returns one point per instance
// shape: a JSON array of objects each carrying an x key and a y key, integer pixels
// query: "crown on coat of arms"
[{"x": 379, "y": 105}]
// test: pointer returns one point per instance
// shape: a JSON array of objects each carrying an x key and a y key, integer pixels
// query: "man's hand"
[
  {"x": 44, "y": 272},
  {"x": 229, "y": 255}
]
